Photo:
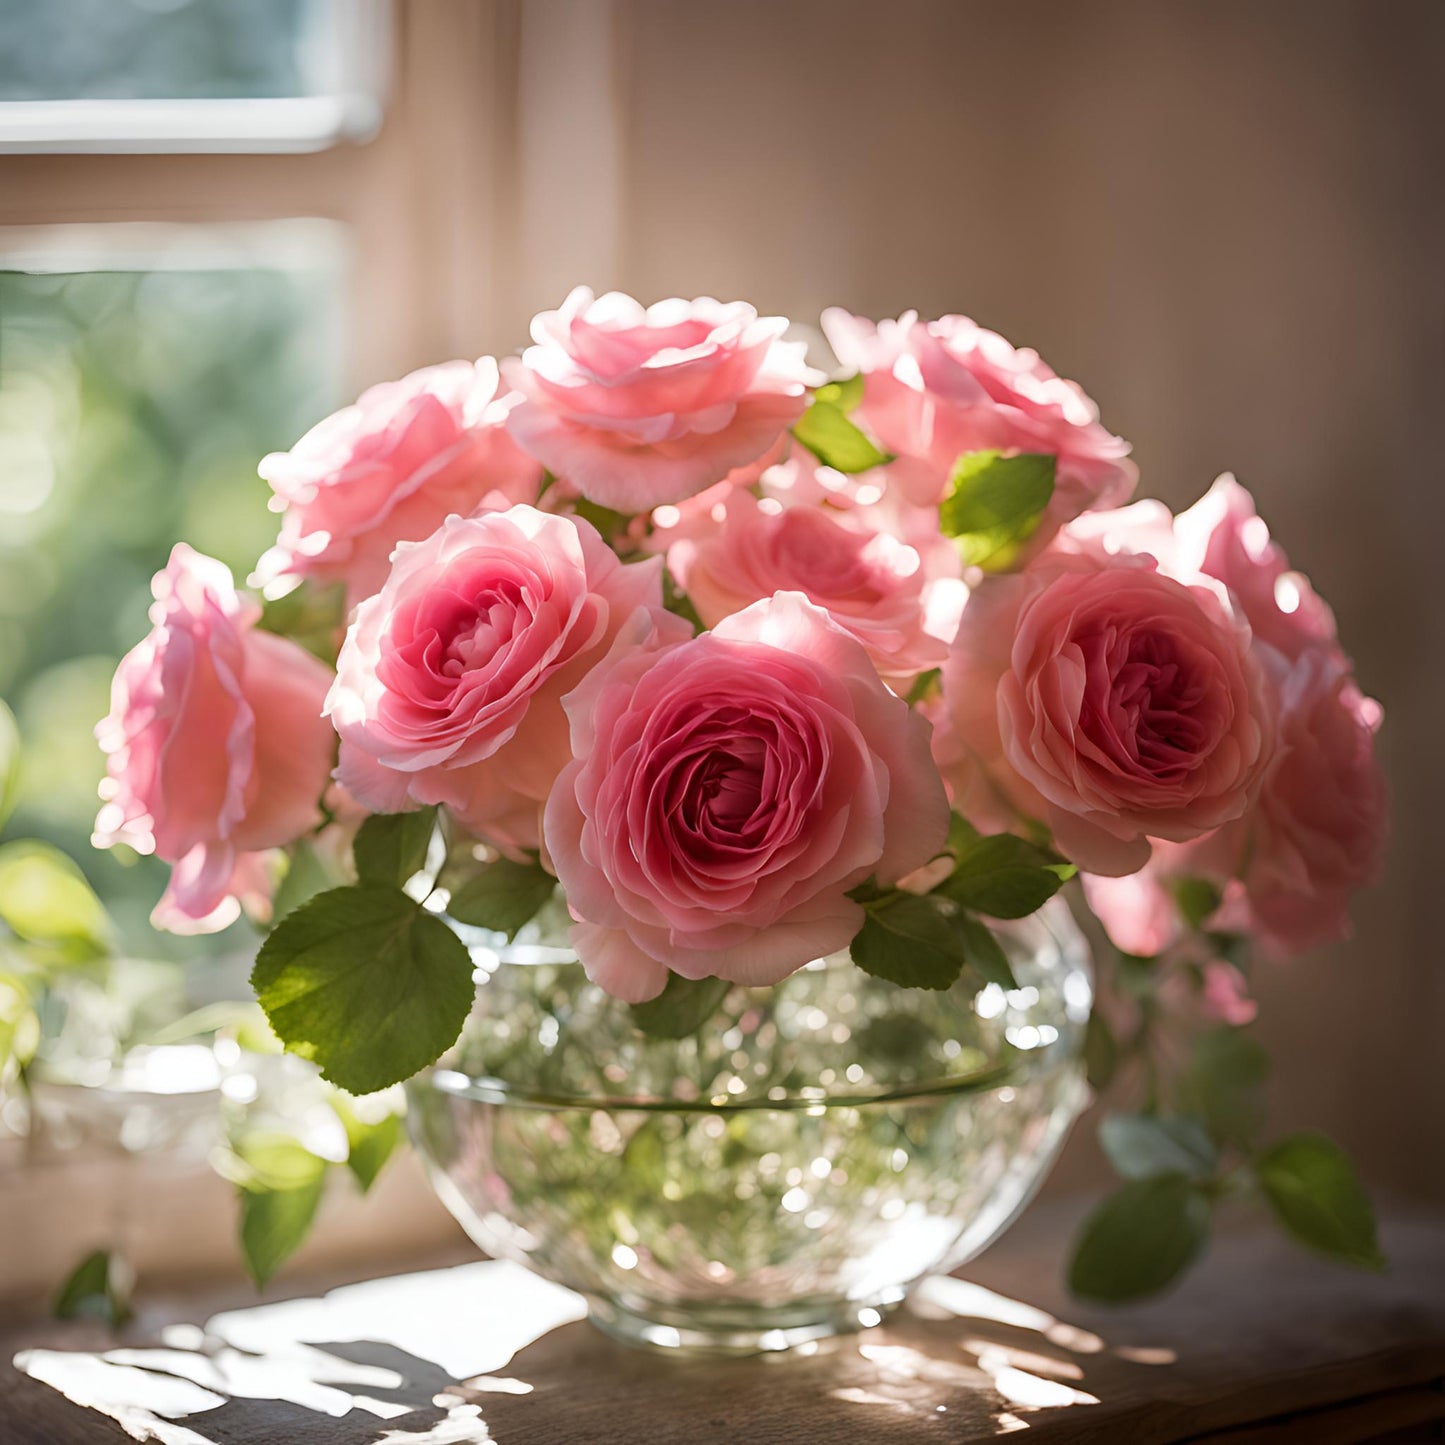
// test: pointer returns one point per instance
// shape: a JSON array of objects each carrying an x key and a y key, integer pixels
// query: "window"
[
  {"x": 143, "y": 372},
  {"x": 189, "y": 75},
  {"x": 381, "y": 191}
]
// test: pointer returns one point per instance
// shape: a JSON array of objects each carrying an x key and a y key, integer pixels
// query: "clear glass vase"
[{"x": 785, "y": 1173}]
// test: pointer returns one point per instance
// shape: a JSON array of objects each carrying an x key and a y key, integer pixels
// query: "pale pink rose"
[
  {"x": 1224, "y": 995},
  {"x": 1139, "y": 914},
  {"x": 727, "y": 792},
  {"x": 1136, "y": 911},
  {"x": 873, "y": 500},
  {"x": 935, "y": 390},
  {"x": 1222, "y": 536},
  {"x": 390, "y": 469},
  {"x": 872, "y": 584},
  {"x": 634, "y": 408},
  {"x": 1317, "y": 831},
  {"x": 1111, "y": 702},
  {"x": 217, "y": 747},
  {"x": 449, "y": 684}
]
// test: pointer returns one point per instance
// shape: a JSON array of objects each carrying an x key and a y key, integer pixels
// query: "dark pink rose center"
[
  {"x": 473, "y": 635},
  {"x": 1152, "y": 704},
  {"x": 481, "y": 637},
  {"x": 730, "y": 786}
]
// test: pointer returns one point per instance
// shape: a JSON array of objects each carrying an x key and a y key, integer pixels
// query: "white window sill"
[{"x": 303, "y": 123}]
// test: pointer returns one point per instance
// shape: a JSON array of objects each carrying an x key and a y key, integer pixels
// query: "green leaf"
[
  {"x": 370, "y": 1143},
  {"x": 1101, "y": 1052},
  {"x": 1316, "y": 1195},
  {"x": 309, "y": 615},
  {"x": 366, "y": 983},
  {"x": 1140, "y": 1239},
  {"x": 962, "y": 835},
  {"x": 910, "y": 941},
  {"x": 682, "y": 1008},
  {"x": 845, "y": 394},
  {"x": 1196, "y": 899},
  {"x": 826, "y": 432},
  {"x": 1224, "y": 1084},
  {"x": 98, "y": 1288},
  {"x": 307, "y": 874},
  {"x": 985, "y": 953},
  {"x": 1002, "y": 876},
  {"x": 924, "y": 684},
  {"x": 19, "y": 1023},
  {"x": 44, "y": 899},
  {"x": 608, "y": 522},
  {"x": 676, "y": 601},
  {"x": 1141, "y": 1146},
  {"x": 281, "y": 1184},
  {"x": 994, "y": 504},
  {"x": 502, "y": 897},
  {"x": 392, "y": 847},
  {"x": 9, "y": 762}
]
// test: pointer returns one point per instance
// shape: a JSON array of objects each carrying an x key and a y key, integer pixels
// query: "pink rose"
[
  {"x": 449, "y": 684},
  {"x": 635, "y": 407},
  {"x": 391, "y": 469},
  {"x": 1317, "y": 831},
  {"x": 1136, "y": 911},
  {"x": 727, "y": 791},
  {"x": 1224, "y": 995},
  {"x": 217, "y": 747},
  {"x": 1222, "y": 536},
  {"x": 935, "y": 390},
  {"x": 872, "y": 584},
  {"x": 1128, "y": 705}
]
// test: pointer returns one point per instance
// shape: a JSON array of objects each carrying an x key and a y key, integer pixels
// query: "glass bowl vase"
[{"x": 786, "y": 1172}]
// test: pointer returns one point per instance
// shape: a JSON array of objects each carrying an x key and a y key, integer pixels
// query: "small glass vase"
[{"x": 784, "y": 1174}]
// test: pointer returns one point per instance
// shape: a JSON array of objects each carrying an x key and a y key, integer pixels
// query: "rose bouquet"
[{"x": 745, "y": 666}]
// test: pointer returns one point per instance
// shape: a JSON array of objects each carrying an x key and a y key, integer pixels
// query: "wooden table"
[{"x": 1264, "y": 1344}]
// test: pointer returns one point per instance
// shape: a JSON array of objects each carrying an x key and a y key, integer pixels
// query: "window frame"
[{"x": 346, "y": 105}]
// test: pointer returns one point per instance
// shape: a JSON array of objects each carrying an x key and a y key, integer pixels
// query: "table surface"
[{"x": 1263, "y": 1344}]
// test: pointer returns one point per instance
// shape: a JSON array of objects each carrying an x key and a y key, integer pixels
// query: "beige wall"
[{"x": 1225, "y": 217}]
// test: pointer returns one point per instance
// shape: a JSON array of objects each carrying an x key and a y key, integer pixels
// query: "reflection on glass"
[{"x": 133, "y": 407}]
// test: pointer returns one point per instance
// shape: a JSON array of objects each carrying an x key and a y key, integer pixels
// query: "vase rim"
[{"x": 1016, "y": 1065}]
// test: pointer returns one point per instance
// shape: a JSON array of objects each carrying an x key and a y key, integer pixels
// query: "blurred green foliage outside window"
[
  {"x": 158, "y": 49},
  {"x": 134, "y": 406}
]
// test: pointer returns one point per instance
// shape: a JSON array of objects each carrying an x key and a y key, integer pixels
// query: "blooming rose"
[
  {"x": 390, "y": 469},
  {"x": 1128, "y": 705},
  {"x": 872, "y": 584},
  {"x": 935, "y": 390},
  {"x": 1222, "y": 536},
  {"x": 1136, "y": 911},
  {"x": 449, "y": 684},
  {"x": 638, "y": 407},
  {"x": 1317, "y": 830},
  {"x": 727, "y": 791},
  {"x": 217, "y": 747}
]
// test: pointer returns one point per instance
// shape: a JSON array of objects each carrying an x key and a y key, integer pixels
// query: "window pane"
[
  {"x": 134, "y": 407},
  {"x": 159, "y": 49}
]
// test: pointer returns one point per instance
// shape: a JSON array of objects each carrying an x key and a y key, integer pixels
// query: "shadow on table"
[{"x": 481, "y": 1352}]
